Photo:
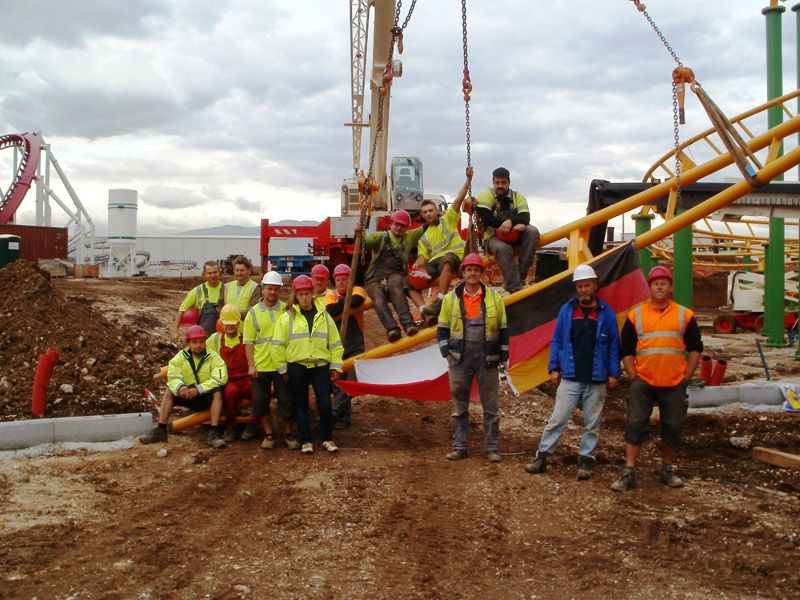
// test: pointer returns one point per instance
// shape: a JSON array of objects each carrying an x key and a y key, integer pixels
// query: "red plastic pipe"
[
  {"x": 44, "y": 370},
  {"x": 719, "y": 371},
  {"x": 706, "y": 364}
]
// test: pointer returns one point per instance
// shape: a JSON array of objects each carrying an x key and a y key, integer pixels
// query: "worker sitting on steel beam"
[
  {"x": 440, "y": 250},
  {"x": 230, "y": 347},
  {"x": 207, "y": 298},
  {"x": 506, "y": 220},
  {"x": 195, "y": 378},
  {"x": 384, "y": 279}
]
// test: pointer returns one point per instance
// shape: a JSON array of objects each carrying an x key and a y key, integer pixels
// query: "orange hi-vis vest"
[{"x": 660, "y": 350}]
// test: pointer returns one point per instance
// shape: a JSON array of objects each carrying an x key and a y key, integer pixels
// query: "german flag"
[{"x": 532, "y": 319}]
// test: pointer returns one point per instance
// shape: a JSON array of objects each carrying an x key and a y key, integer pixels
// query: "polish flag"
[{"x": 419, "y": 375}]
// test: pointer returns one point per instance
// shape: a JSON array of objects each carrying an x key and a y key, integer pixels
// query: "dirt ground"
[{"x": 387, "y": 517}]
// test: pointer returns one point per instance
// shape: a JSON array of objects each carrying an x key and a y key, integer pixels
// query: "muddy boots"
[
  {"x": 668, "y": 477},
  {"x": 157, "y": 434},
  {"x": 626, "y": 481},
  {"x": 585, "y": 465},
  {"x": 215, "y": 439},
  {"x": 230, "y": 434},
  {"x": 539, "y": 464}
]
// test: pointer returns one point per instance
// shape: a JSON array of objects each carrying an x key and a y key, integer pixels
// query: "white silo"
[{"x": 122, "y": 210}]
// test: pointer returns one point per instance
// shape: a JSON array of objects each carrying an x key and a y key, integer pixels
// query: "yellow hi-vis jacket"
[
  {"x": 443, "y": 238},
  {"x": 660, "y": 349},
  {"x": 259, "y": 326},
  {"x": 243, "y": 296},
  {"x": 206, "y": 373},
  {"x": 450, "y": 329},
  {"x": 293, "y": 342}
]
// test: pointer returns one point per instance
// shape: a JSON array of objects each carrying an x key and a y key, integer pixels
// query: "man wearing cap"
[
  {"x": 207, "y": 298},
  {"x": 473, "y": 335},
  {"x": 353, "y": 342},
  {"x": 229, "y": 346},
  {"x": 242, "y": 291},
  {"x": 320, "y": 278},
  {"x": 506, "y": 220},
  {"x": 440, "y": 249},
  {"x": 655, "y": 339},
  {"x": 584, "y": 365},
  {"x": 384, "y": 279},
  {"x": 195, "y": 378},
  {"x": 259, "y": 325}
]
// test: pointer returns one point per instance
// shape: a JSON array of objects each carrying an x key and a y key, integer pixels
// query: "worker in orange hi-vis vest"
[{"x": 655, "y": 340}]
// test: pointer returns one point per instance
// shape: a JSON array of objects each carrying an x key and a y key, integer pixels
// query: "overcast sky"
[{"x": 229, "y": 112}]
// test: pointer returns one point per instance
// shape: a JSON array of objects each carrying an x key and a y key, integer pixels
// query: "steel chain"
[
  {"x": 675, "y": 122},
  {"x": 473, "y": 218},
  {"x": 661, "y": 37}
]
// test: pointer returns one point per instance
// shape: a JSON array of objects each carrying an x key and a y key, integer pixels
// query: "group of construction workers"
[{"x": 267, "y": 346}]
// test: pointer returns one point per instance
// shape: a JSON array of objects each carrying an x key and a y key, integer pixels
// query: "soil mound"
[{"x": 103, "y": 368}]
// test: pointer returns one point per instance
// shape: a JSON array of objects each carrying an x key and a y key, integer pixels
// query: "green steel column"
[
  {"x": 682, "y": 265},
  {"x": 642, "y": 226},
  {"x": 774, "y": 276}
]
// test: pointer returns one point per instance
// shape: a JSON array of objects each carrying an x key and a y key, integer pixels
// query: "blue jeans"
[{"x": 591, "y": 397}]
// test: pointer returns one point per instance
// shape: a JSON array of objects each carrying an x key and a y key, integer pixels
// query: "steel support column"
[
  {"x": 682, "y": 267},
  {"x": 643, "y": 222}
]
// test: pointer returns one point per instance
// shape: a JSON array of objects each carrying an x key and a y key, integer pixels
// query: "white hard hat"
[
  {"x": 272, "y": 278},
  {"x": 583, "y": 272}
]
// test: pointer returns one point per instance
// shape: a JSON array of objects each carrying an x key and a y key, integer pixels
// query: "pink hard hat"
[
  {"x": 474, "y": 259},
  {"x": 401, "y": 217},
  {"x": 320, "y": 271},
  {"x": 659, "y": 272},
  {"x": 195, "y": 332},
  {"x": 341, "y": 269},
  {"x": 302, "y": 282}
]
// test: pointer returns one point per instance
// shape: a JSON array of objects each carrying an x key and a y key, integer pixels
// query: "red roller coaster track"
[{"x": 29, "y": 146}]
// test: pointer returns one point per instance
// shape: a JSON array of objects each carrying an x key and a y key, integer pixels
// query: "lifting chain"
[
  {"x": 466, "y": 88},
  {"x": 679, "y": 77}
]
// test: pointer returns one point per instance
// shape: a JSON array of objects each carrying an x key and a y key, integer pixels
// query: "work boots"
[
  {"x": 156, "y": 435},
  {"x": 626, "y": 481},
  {"x": 668, "y": 477},
  {"x": 585, "y": 465},
  {"x": 215, "y": 439},
  {"x": 230, "y": 434},
  {"x": 539, "y": 464},
  {"x": 394, "y": 334}
]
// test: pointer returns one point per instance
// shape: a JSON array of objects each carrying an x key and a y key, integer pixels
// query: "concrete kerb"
[
  {"x": 95, "y": 428},
  {"x": 750, "y": 392}
]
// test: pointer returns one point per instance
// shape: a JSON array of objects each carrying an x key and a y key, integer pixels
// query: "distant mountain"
[{"x": 239, "y": 230}]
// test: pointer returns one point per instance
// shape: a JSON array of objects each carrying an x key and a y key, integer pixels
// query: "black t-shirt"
[{"x": 583, "y": 334}]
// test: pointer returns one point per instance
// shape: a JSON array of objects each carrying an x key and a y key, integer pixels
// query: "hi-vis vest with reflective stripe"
[
  {"x": 240, "y": 295},
  {"x": 209, "y": 373},
  {"x": 660, "y": 350},
  {"x": 443, "y": 238},
  {"x": 450, "y": 328},
  {"x": 293, "y": 342},
  {"x": 259, "y": 325}
]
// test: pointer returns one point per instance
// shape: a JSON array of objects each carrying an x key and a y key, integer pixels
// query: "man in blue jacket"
[{"x": 584, "y": 364}]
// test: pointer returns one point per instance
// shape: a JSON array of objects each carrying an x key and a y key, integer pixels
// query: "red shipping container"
[{"x": 39, "y": 242}]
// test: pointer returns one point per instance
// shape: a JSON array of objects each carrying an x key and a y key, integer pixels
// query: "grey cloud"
[
  {"x": 70, "y": 23},
  {"x": 171, "y": 197},
  {"x": 88, "y": 113},
  {"x": 247, "y": 205}
]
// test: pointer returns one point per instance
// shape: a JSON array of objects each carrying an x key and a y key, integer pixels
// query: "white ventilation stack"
[{"x": 122, "y": 209}]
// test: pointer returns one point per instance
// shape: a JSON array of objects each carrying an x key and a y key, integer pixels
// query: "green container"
[{"x": 9, "y": 249}]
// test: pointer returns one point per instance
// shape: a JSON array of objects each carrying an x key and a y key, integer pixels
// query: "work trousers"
[
  {"x": 232, "y": 395},
  {"x": 342, "y": 401},
  {"x": 473, "y": 366},
  {"x": 514, "y": 275},
  {"x": 300, "y": 377},
  {"x": 591, "y": 397},
  {"x": 392, "y": 291}
]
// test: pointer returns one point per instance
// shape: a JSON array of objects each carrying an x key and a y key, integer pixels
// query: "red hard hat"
[
  {"x": 419, "y": 279},
  {"x": 473, "y": 259},
  {"x": 195, "y": 332},
  {"x": 659, "y": 272},
  {"x": 220, "y": 326},
  {"x": 509, "y": 238},
  {"x": 320, "y": 271},
  {"x": 190, "y": 317},
  {"x": 341, "y": 269},
  {"x": 303, "y": 282},
  {"x": 402, "y": 217}
]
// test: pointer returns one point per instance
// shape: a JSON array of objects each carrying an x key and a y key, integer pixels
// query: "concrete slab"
[
  {"x": 21, "y": 434},
  {"x": 751, "y": 392},
  {"x": 96, "y": 428}
]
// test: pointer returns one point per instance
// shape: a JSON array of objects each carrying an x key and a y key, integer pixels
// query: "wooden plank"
[{"x": 777, "y": 458}]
